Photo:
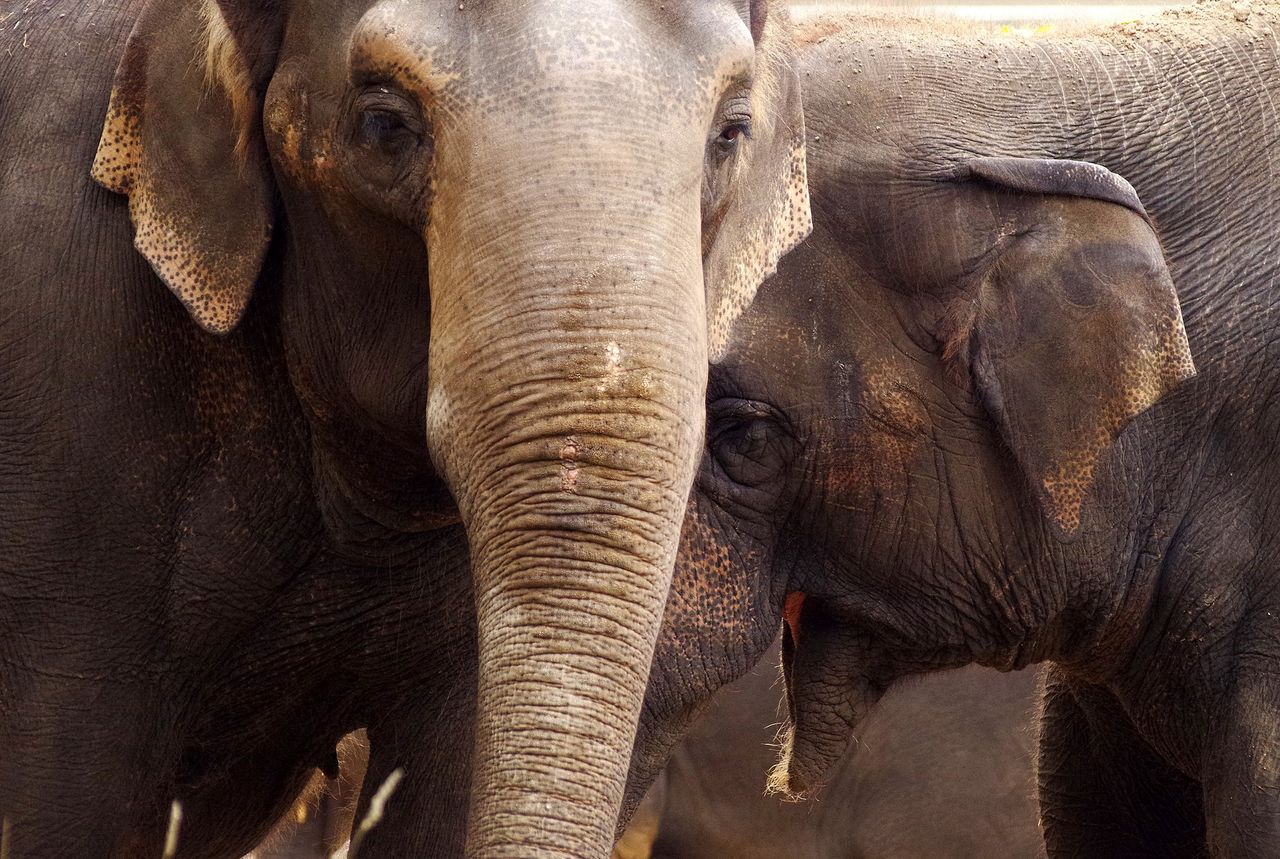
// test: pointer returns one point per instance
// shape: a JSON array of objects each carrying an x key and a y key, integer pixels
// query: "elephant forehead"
[
  {"x": 529, "y": 56},
  {"x": 878, "y": 427}
]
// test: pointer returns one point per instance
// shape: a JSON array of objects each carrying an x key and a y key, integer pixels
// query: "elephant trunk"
[{"x": 567, "y": 385}]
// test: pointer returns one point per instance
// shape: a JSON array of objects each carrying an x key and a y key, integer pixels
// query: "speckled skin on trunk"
[
  {"x": 460, "y": 268},
  {"x": 960, "y": 424}
]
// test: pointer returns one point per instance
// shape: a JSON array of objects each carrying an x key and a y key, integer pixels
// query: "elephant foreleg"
[
  {"x": 1242, "y": 781},
  {"x": 431, "y": 745},
  {"x": 1103, "y": 792}
]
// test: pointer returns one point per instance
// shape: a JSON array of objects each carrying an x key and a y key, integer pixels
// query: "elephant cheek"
[{"x": 878, "y": 440}]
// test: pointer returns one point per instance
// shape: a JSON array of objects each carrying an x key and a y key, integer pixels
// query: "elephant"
[
  {"x": 319, "y": 317},
  {"x": 963, "y": 423},
  {"x": 943, "y": 767}
]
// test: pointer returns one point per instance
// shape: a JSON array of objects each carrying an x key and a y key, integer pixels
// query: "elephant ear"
[
  {"x": 183, "y": 140},
  {"x": 768, "y": 213},
  {"x": 1075, "y": 328}
]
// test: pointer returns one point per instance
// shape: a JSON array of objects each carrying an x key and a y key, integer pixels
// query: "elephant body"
[
  {"x": 176, "y": 624},
  {"x": 226, "y": 548},
  {"x": 963, "y": 423},
  {"x": 943, "y": 767}
]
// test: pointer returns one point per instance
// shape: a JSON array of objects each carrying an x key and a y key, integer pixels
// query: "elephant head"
[
  {"x": 911, "y": 432},
  {"x": 501, "y": 240}
]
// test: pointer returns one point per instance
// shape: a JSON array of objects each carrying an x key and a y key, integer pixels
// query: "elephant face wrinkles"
[
  {"x": 898, "y": 506},
  {"x": 391, "y": 144}
]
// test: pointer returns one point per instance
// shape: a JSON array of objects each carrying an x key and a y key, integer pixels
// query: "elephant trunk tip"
[
  {"x": 801, "y": 771},
  {"x": 785, "y": 781}
]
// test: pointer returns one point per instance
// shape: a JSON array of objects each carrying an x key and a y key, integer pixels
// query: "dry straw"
[
  {"x": 374, "y": 815},
  {"x": 170, "y": 836}
]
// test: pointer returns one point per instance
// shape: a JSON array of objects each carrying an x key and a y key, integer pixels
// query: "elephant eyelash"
[{"x": 736, "y": 110}]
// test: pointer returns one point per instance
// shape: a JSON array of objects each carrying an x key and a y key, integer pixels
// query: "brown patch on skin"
[
  {"x": 301, "y": 153},
  {"x": 380, "y": 46},
  {"x": 1148, "y": 374},
  {"x": 225, "y": 70},
  {"x": 892, "y": 424},
  {"x": 815, "y": 30},
  {"x": 285, "y": 122},
  {"x": 569, "y": 465}
]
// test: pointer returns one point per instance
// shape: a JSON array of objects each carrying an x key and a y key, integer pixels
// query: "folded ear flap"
[
  {"x": 183, "y": 140},
  {"x": 767, "y": 211},
  {"x": 1075, "y": 329}
]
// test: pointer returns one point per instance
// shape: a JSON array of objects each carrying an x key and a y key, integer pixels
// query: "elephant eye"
[
  {"x": 387, "y": 121},
  {"x": 748, "y": 440},
  {"x": 380, "y": 124},
  {"x": 386, "y": 151},
  {"x": 384, "y": 130},
  {"x": 733, "y": 122},
  {"x": 732, "y": 134}
]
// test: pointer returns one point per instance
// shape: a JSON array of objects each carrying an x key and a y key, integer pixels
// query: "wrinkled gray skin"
[
  {"x": 897, "y": 436},
  {"x": 944, "y": 766},
  {"x": 224, "y": 549}
]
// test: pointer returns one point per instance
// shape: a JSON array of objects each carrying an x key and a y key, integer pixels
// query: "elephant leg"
[
  {"x": 1103, "y": 791},
  {"x": 431, "y": 745},
  {"x": 1242, "y": 779},
  {"x": 70, "y": 785}
]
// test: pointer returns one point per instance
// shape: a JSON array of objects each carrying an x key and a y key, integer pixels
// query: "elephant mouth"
[
  {"x": 790, "y": 638},
  {"x": 827, "y": 693}
]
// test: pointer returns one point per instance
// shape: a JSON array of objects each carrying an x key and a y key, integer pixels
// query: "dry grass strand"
[
  {"x": 171, "y": 834},
  {"x": 377, "y": 806}
]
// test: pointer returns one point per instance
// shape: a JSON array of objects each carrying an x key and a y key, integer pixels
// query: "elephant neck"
[{"x": 1186, "y": 575}]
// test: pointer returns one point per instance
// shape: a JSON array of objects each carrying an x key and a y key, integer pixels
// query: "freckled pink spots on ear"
[{"x": 182, "y": 140}]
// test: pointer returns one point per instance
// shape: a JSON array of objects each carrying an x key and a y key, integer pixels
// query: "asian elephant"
[
  {"x": 459, "y": 269},
  {"x": 943, "y": 767},
  {"x": 963, "y": 423}
]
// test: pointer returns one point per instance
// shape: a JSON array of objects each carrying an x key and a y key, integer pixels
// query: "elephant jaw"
[{"x": 826, "y": 698}]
